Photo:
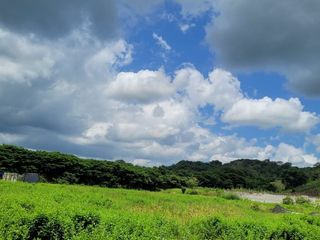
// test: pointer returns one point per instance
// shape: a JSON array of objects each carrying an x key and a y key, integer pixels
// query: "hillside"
[{"x": 57, "y": 167}]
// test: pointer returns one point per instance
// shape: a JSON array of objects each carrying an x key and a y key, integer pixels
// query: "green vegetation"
[
  {"x": 264, "y": 175},
  {"x": 56, "y": 167},
  {"x": 288, "y": 200},
  {"x": 311, "y": 188},
  {"x": 54, "y": 211},
  {"x": 302, "y": 200}
]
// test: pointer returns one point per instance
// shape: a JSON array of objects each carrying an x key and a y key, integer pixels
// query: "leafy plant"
[{"x": 288, "y": 200}]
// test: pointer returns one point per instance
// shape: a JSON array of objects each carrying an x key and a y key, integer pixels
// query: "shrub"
[
  {"x": 287, "y": 200},
  {"x": 287, "y": 234},
  {"x": 302, "y": 200},
  {"x": 193, "y": 192},
  {"x": 42, "y": 227},
  {"x": 255, "y": 207},
  {"x": 276, "y": 186},
  {"x": 219, "y": 228},
  {"x": 86, "y": 222},
  {"x": 230, "y": 196},
  {"x": 27, "y": 206}
]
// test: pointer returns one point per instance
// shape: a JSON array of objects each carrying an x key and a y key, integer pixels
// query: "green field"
[{"x": 52, "y": 211}]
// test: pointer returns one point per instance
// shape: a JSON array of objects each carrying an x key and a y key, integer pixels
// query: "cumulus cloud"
[
  {"x": 51, "y": 85},
  {"x": 143, "y": 86},
  {"x": 296, "y": 156},
  {"x": 268, "y": 113},
  {"x": 283, "y": 38},
  {"x": 221, "y": 88},
  {"x": 223, "y": 91}
]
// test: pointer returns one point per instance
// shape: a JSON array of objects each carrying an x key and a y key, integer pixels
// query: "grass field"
[{"x": 48, "y": 211}]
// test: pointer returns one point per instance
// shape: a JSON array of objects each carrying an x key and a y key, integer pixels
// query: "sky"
[{"x": 155, "y": 82}]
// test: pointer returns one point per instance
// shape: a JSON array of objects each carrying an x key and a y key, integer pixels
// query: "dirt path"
[{"x": 267, "y": 197}]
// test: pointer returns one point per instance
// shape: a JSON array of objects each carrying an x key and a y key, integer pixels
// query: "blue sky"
[{"x": 154, "y": 83}]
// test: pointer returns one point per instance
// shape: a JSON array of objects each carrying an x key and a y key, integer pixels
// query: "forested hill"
[{"x": 64, "y": 168}]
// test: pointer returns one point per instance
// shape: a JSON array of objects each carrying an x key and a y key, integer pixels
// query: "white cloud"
[
  {"x": 185, "y": 27},
  {"x": 22, "y": 60},
  {"x": 9, "y": 138},
  {"x": 296, "y": 156},
  {"x": 142, "y": 162},
  {"x": 161, "y": 42},
  {"x": 221, "y": 89},
  {"x": 143, "y": 86},
  {"x": 315, "y": 140},
  {"x": 268, "y": 113},
  {"x": 109, "y": 57}
]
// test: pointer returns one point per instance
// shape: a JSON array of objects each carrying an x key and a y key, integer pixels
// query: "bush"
[
  {"x": 276, "y": 186},
  {"x": 193, "y": 192},
  {"x": 302, "y": 200},
  {"x": 231, "y": 196},
  {"x": 255, "y": 207},
  {"x": 219, "y": 228},
  {"x": 287, "y": 200},
  {"x": 42, "y": 227},
  {"x": 86, "y": 222}
]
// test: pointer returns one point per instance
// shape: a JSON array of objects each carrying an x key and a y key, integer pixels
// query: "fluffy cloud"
[
  {"x": 268, "y": 113},
  {"x": 296, "y": 156},
  {"x": 282, "y": 38},
  {"x": 52, "y": 85},
  {"x": 223, "y": 91},
  {"x": 143, "y": 86},
  {"x": 21, "y": 60}
]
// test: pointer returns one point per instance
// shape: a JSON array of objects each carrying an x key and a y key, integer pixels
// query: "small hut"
[{"x": 31, "y": 177}]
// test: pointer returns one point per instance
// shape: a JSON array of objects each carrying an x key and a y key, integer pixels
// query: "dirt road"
[{"x": 268, "y": 198}]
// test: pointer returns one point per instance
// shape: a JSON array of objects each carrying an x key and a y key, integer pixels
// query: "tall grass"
[{"x": 48, "y": 211}]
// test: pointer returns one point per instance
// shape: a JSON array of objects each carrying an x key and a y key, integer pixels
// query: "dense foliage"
[
  {"x": 252, "y": 174},
  {"x": 64, "y": 168},
  {"x": 54, "y": 211},
  {"x": 244, "y": 173}
]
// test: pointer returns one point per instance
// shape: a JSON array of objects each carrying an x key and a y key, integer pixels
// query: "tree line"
[{"x": 58, "y": 167}]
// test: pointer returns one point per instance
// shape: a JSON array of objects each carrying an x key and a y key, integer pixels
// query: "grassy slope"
[{"x": 81, "y": 212}]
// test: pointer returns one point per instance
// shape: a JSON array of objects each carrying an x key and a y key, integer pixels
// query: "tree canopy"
[{"x": 58, "y": 167}]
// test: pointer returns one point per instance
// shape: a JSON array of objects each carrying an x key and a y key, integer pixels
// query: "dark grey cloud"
[
  {"x": 270, "y": 35},
  {"x": 57, "y": 18}
]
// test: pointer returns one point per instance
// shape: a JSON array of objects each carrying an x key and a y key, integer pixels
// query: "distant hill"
[
  {"x": 253, "y": 174},
  {"x": 65, "y": 168}
]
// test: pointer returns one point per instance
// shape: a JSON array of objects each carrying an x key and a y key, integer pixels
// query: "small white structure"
[
  {"x": 13, "y": 177},
  {"x": 26, "y": 177}
]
